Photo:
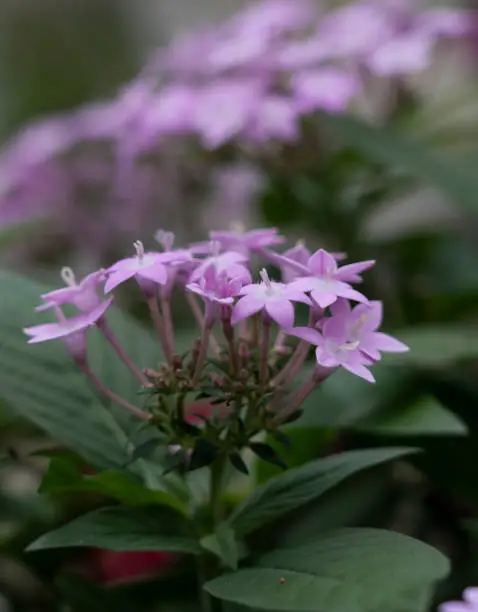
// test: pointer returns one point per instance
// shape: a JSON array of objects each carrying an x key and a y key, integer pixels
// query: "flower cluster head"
[
  {"x": 254, "y": 376},
  {"x": 254, "y": 78},
  {"x": 469, "y": 603}
]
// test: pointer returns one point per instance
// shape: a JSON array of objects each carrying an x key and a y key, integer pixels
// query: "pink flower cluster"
[
  {"x": 253, "y": 78},
  {"x": 342, "y": 323},
  {"x": 469, "y": 603}
]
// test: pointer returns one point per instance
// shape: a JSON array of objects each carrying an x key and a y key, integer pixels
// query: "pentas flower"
[
  {"x": 299, "y": 254},
  {"x": 246, "y": 242},
  {"x": 216, "y": 289},
  {"x": 361, "y": 324},
  {"x": 469, "y": 603},
  {"x": 272, "y": 297},
  {"x": 146, "y": 268},
  {"x": 72, "y": 331},
  {"x": 230, "y": 262},
  {"x": 327, "y": 282},
  {"x": 84, "y": 295}
]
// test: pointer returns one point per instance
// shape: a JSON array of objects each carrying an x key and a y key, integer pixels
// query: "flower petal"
[
  {"x": 246, "y": 307},
  {"x": 116, "y": 278},
  {"x": 307, "y": 333},
  {"x": 349, "y": 271},
  {"x": 156, "y": 273},
  {"x": 388, "y": 344},
  {"x": 322, "y": 263},
  {"x": 282, "y": 312},
  {"x": 359, "y": 370},
  {"x": 323, "y": 298}
]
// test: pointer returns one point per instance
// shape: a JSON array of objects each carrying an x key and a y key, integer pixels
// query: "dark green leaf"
[
  {"x": 85, "y": 596},
  {"x": 432, "y": 346},
  {"x": 122, "y": 528},
  {"x": 301, "y": 485},
  {"x": 388, "y": 146},
  {"x": 64, "y": 476},
  {"x": 146, "y": 449},
  {"x": 222, "y": 543},
  {"x": 267, "y": 453},
  {"x": 425, "y": 417},
  {"x": 238, "y": 462},
  {"x": 348, "y": 570},
  {"x": 203, "y": 455}
]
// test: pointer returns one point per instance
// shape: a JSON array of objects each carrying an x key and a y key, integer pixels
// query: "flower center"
[
  {"x": 139, "y": 248},
  {"x": 349, "y": 346},
  {"x": 68, "y": 277}
]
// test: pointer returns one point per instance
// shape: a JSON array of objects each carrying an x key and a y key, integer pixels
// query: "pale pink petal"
[
  {"x": 341, "y": 307},
  {"x": 372, "y": 314},
  {"x": 116, "y": 278},
  {"x": 455, "y": 606},
  {"x": 323, "y": 298},
  {"x": 325, "y": 359},
  {"x": 470, "y": 595},
  {"x": 359, "y": 370},
  {"x": 294, "y": 294},
  {"x": 343, "y": 290},
  {"x": 156, "y": 273},
  {"x": 246, "y": 307},
  {"x": 282, "y": 312},
  {"x": 335, "y": 328},
  {"x": 307, "y": 333},
  {"x": 322, "y": 263},
  {"x": 384, "y": 342},
  {"x": 349, "y": 271}
]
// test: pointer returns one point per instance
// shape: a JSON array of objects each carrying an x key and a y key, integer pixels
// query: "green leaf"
[
  {"x": 301, "y": 485},
  {"x": 437, "y": 345},
  {"x": 426, "y": 416},
  {"x": 64, "y": 476},
  {"x": 56, "y": 398},
  {"x": 122, "y": 528},
  {"x": 268, "y": 454},
  {"x": 387, "y": 146},
  {"x": 85, "y": 596},
  {"x": 352, "y": 503},
  {"x": 347, "y": 570},
  {"x": 394, "y": 405},
  {"x": 223, "y": 544}
]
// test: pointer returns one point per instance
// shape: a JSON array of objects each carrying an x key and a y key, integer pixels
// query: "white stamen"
[
  {"x": 139, "y": 248},
  {"x": 68, "y": 277},
  {"x": 349, "y": 346},
  {"x": 238, "y": 227},
  {"x": 165, "y": 239},
  {"x": 215, "y": 247},
  {"x": 265, "y": 279}
]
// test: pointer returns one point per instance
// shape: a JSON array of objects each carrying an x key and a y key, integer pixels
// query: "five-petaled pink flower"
[
  {"x": 147, "y": 268},
  {"x": 327, "y": 282},
  {"x": 244, "y": 242},
  {"x": 83, "y": 295},
  {"x": 72, "y": 331},
  {"x": 272, "y": 297},
  {"x": 232, "y": 263}
]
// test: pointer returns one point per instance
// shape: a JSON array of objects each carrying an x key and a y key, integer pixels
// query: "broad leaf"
[
  {"x": 63, "y": 476},
  {"x": 387, "y": 146},
  {"x": 301, "y": 485},
  {"x": 123, "y": 528},
  {"x": 347, "y": 570},
  {"x": 426, "y": 416},
  {"x": 352, "y": 503},
  {"x": 222, "y": 543},
  {"x": 394, "y": 405},
  {"x": 439, "y": 345}
]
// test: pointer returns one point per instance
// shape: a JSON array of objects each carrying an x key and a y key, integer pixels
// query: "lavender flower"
[
  {"x": 256, "y": 370},
  {"x": 272, "y": 297},
  {"x": 72, "y": 331},
  {"x": 469, "y": 603}
]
